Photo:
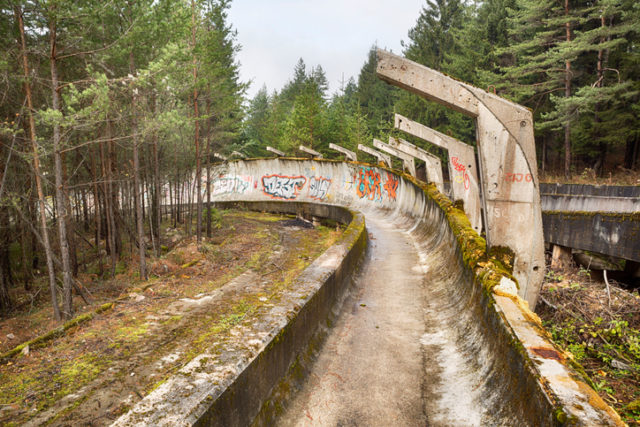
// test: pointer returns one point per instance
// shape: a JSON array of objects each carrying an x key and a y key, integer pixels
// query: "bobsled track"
[{"x": 404, "y": 321}]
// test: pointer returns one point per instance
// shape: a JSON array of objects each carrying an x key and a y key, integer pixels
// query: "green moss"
[
  {"x": 132, "y": 332},
  {"x": 55, "y": 333}
]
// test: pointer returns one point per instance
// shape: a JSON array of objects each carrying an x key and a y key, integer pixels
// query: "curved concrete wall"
[
  {"x": 527, "y": 380},
  {"x": 228, "y": 388}
]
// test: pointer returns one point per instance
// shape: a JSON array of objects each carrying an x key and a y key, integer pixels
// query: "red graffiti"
[
  {"x": 369, "y": 184},
  {"x": 464, "y": 177},
  {"x": 457, "y": 165},
  {"x": 391, "y": 186},
  {"x": 518, "y": 177}
]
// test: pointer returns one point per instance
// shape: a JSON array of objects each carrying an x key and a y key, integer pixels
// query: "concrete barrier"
[
  {"x": 525, "y": 379},
  {"x": 610, "y": 233},
  {"x": 590, "y": 198},
  {"x": 231, "y": 391}
]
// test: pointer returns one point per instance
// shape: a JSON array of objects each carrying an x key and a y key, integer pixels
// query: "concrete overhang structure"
[
  {"x": 407, "y": 160},
  {"x": 432, "y": 163},
  {"x": 462, "y": 166},
  {"x": 314, "y": 153},
  {"x": 382, "y": 158},
  {"x": 349, "y": 155},
  {"x": 506, "y": 151},
  {"x": 276, "y": 151}
]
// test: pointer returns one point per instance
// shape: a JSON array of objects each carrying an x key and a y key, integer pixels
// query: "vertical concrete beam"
[
  {"x": 463, "y": 170},
  {"x": 407, "y": 160},
  {"x": 560, "y": 257},
  {"x": 506, "y": 153},
  {"x": 276, "y": 152},
  {"x": 347, "y": 153},
  {"x": 311, "y": 151},
  {"x": 433, "y": 164},
  {"x": 382, "y": 158}
]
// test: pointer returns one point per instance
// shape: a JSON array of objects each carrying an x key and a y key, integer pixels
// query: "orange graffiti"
[
  {"x": 391, "y": 186},
  {"x": 369, "y": 184}
]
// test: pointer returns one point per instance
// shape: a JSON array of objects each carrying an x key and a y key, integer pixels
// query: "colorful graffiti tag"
[
  {"x": 391, "y": 186},
  {"x": 283, "y": 187},
  {"x": 319, "y": 187},
  {"x": 226, "y": 185},
  {"x": 463, "y": 177},
  {"x": 369, "y": 184}
]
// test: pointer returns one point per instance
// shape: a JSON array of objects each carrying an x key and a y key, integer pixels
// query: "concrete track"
[{"x": 391, "y": 358}]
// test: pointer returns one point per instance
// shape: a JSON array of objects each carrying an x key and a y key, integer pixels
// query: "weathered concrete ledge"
[
  {"x": 229, "y": 389},
  {"x": 590, "y": 198},
  {"x": 611, "y": 233},
  {"x": 526, "y": 379},
  {"x": 533, "y": 382}
]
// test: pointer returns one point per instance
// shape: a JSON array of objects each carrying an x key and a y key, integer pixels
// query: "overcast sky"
[{"x": 335, "y": 34}]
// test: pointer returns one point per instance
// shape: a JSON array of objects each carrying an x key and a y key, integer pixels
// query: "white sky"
[{"x": 335, "y": 34}]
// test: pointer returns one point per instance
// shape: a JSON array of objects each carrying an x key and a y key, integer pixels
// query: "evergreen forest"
[{"x": 111, "y": 109}]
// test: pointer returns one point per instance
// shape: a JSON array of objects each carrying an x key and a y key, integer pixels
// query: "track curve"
[{"x": 431, "y": 334}]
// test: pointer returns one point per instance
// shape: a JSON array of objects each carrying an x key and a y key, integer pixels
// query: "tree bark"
[
  {"x": 567, "y": 93},
  {"x": 36, "y": 168},
  {"x": 156, "y": 185},
  {"x": 136, "y": 176},
  {"x": 73, "y": 256},
  {"x": 67, "y": 279},
  {"x": 197, "y": 127},
  {"x": 208, "y": 160}
]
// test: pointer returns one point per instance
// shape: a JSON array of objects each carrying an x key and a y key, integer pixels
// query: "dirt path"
[{"x": 392, "y": 357}]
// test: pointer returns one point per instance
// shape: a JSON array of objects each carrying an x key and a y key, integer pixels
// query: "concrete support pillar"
[
  {"x": 433, "y": 165},
  {"x": 462, "y": 166},
  {"x": 276, "y": 151},
  {"x": 560, "y": 257},
  {"x": 311, "y": 151},
  {"x": 382, "y": 158},
  {"x": 507, "y": 160},
  {"x": 350, "y": 155},
  {"x": 407, "y": 160}
]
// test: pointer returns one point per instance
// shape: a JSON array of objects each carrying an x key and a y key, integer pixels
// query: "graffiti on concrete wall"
[
  {"x": 369, "y": 184},
  {"x": 230, "y": 184},
  {"x": 462, "y": 177},
  {"x": 319, "y": 187},
  {"x": 518, "y": 177},
  {"x": 282, "y": 186},
  {"x": 391, "y": 186}
]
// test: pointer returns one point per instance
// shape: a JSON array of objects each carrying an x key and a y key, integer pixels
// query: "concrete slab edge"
[{"x": 232, "y": 393}]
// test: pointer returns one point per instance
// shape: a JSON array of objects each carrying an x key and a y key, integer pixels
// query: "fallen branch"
[
  {"x": 604, "y": 274},
  {"x": 548, "y": 303}
]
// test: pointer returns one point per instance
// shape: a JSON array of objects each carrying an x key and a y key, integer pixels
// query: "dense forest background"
[{"x": 110, "y": 109}]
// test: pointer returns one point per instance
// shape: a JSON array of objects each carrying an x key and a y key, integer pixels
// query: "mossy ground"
[
  {"x": 602, "y": 336},
  {"x": 104, "y": 365}
]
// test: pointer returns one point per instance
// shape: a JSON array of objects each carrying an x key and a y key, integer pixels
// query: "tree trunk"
[
  {"x": 6, "y": 278},
  {"x": 73, "y": 256},
  {"x": 108, "y": 191},
  {"x": 97, "y": 215},
  {"x": 197, "y": 127},
  {"x": 208, "y": 160},
  {"x": 156, "y": 185},
  {"x": 67, "y": 279},
  {"x": 136, "y": 176},
  {"x": 36, "y": 168},
  {"x": 567, "y": 93}
]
